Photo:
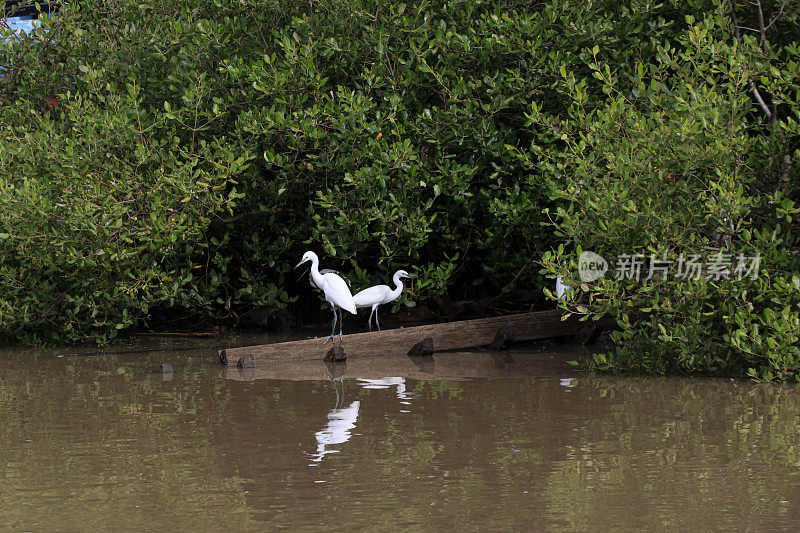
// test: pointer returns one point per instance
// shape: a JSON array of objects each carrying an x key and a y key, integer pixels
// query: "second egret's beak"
[
  {"x": 412, "y": 277},
  {"x": 300, "y": 263}
]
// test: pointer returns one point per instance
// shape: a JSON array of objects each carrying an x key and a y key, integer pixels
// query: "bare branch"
[
  {"x": 735, "y": 23},
  {"x": 761, "y": 27},
  {"x": 761, "y": 103},
  {"x": 772, "y": 114},
  {"x": 776, "y": 17}
]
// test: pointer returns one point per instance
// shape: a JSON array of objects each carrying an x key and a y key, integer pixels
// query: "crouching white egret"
[
  {"x": 381, "y": 294},
  {"x": 337, "y": 293}
]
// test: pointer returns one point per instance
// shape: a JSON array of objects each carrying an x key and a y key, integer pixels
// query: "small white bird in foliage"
[
  {"x": 381, "y": 294},
  {"x": 337, "y": 293},
  {"x": 561, "y": 288}
]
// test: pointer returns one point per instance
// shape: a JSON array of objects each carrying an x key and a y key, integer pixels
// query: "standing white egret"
[
  {"x": 337, "y": 293},
  {"x": 381, "y": 294}
]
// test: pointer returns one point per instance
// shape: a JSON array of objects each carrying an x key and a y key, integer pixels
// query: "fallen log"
[{"x": 447, "y": 336}]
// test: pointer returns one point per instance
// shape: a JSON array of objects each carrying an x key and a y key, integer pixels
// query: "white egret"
[
  {"x": 381, "y": 294},
  {"x": 561, "y": 288},
  {"x": 337, "y": 293}
]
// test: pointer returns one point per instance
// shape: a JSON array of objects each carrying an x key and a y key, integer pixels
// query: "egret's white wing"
[
  {"x": 337, "y": 292},
  {"x": 371, "y": 296}
]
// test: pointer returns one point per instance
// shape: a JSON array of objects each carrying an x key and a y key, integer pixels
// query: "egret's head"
[
  {"x": 403, "y": 274},
  {"x": 308, "y": 256}
]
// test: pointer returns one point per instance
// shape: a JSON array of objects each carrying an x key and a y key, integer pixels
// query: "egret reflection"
[
  {"x": 387, "y": 383},
  {"x": 337, "y": 431},
  {"x": 568, "y": 383}
]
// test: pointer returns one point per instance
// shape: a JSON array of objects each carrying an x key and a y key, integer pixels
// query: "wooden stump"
[
  {"x": 503, "y": 339},
  {"x": 422, "y": 348},
  {"x": 246, "y": 362},
  {"x": 336, "y": 354}
]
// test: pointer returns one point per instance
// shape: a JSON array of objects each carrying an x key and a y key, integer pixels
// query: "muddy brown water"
[{"x": 476, "y": 441}]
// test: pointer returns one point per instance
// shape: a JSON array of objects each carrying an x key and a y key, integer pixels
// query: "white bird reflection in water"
[
  {"x": 387, "y": 383},
  {"x": 340, "y": 422}
]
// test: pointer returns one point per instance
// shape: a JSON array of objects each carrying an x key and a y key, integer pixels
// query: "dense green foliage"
[
  {"x": 198, "y": 148},
  {"x": 377, "y": 135},
  {"x": 677, "y": 158}
]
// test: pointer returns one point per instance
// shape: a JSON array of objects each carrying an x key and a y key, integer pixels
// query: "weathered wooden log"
[{"x": 448, "y": 336}]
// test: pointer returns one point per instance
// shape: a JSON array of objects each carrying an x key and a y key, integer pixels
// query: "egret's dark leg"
[
  {"x": 341, "y": 323},
  {"x": 333, "y": 326},
  {"x": 376, "y": 318},
  {"x": 369, "y": 322}
]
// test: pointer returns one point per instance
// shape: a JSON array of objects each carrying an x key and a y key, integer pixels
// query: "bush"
[
  {"x": 683, "y": 162},
  {"x": 227, "y": 138},
  {"x": 101, "y": 223}
]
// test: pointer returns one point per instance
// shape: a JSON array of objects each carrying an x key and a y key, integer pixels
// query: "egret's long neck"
[
  {"x": 398, "y": 287},
  {"x": 315, "y": 275}
]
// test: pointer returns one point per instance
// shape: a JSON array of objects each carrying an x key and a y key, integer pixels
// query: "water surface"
[{"x": 108, "y": 442}]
